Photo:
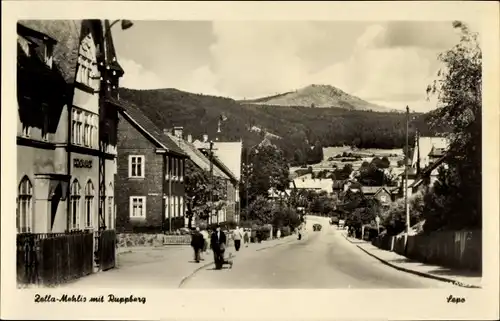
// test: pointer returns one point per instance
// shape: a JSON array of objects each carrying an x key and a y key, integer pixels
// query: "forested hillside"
[{"x": 300, "y": 127}]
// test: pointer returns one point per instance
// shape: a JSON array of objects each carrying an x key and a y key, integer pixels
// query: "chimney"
[
  {"x": 178, "y": 132},
  {"x": 205, "y": 138},
  {"x": 189, "y": 138}
]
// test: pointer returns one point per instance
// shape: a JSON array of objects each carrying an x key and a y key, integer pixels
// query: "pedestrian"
[
  {"x": 206, "y": 241},
  {"x": 197, "y": 244},
  {"x": 278, "y": 234},
  {"x": 246, "y": 237},
  {"x": 237, "y": 236},
  {"x": 218, "y": 244}
]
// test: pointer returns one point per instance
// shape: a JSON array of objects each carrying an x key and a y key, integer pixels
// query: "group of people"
[{"x": 217, "y": 242}]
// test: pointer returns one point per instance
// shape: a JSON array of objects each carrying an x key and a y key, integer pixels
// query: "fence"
[
  {"x": 454, "y": 249},
  {"x": 460, "y": 249},
  {"x": 50, "y": 259},
  {"x": 106, "y": 249}
]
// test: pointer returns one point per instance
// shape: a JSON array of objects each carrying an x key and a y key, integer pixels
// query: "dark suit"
[
  {"x": 197, "y": 244},
  {"x": 218, "y": 244}
]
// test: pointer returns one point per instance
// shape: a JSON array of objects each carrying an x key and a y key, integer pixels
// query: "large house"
[
  {"x": 203, "y": 163},
  {"x": 150, "y": 176},
  {"x": 66, "y": 128},
  {"x": 227, "y": 156}
]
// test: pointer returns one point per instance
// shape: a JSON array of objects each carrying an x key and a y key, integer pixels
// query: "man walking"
[
  {"x": 237, "y": 235},
  {"x": 197, "y": 244},
  {"x": 206, "y": 241},
  {"x": 218, "y": 244}
]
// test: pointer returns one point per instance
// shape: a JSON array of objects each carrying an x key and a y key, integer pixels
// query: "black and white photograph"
[{"x": 248, "y": 154}]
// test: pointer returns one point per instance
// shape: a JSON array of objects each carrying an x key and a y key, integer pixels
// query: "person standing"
[
  {"x": 197, "y": 244},
  {"x": 278, "y": 234},
  {"x": 246, "y": 237},
  {"x": 206, "y": 241},
  {"x": 237, "y": 236},
  {"x": 218, "y": 244}
]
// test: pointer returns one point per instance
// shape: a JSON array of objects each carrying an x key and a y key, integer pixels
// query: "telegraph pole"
[
  {"x": 407, "y": 208},
  {"x": 212, "y": 180}
]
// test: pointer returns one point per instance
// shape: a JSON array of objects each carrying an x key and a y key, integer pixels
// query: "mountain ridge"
[{"x": 317, "y": 96}]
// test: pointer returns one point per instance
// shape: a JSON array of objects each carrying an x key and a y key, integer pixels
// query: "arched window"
[
  {"x": 89, "y": 200},
  {"x": 25, "y": 206},
  {"x": 110, "y": 218},
  {"x": 87, "y": 63},
  {"x": 75, "y": 205}
]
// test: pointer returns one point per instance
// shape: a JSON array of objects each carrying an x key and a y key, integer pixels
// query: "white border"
[{"x": 253, "y": 304}]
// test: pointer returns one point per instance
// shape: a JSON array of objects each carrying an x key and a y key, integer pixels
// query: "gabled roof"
[
  {"x": 67, "y": 34},
  {"x": 196, "y": 156},
  {"x": 428, "y": 171},
  {"x": 230, "y": 154},
  {"x": 370, "y": 190},
  {"x": 314, "y": 184},
  {"x": 425, "y": 146},
  {"x": 134, "y": 115}
]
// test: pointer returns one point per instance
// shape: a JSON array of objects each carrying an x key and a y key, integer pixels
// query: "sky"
[{"x": 387, "y": 63}]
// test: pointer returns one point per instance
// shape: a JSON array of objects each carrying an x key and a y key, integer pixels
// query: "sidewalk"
[
  {"x": 159, "y": 267},
  {"x": 402, "y": 263}
]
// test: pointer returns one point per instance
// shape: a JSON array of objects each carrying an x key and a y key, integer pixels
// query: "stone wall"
[{"x": 142, "y": 239}]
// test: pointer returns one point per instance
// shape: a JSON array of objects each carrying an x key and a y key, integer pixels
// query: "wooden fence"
[
  {"x": 454, "y": 249},
  {"x": 51, "y": 259},
  {"x": 107, "y": 249}
]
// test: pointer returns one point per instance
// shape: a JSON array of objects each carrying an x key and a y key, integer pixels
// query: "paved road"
[{"x": 321, "y": 260}]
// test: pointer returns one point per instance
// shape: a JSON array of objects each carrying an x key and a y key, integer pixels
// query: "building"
[
  {"x": 427, "y": 150},
  {"x": 150, "y": 175},
  {"x": 382, "y": 193},
  {"x": 227, "y": 156},
  {"x": 317, "y": 185},
  {"x": 202, "y": 163},
  {"x": 66, "y": 69}
]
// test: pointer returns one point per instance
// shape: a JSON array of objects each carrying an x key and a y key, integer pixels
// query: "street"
[{"x": 321, "y": 260}]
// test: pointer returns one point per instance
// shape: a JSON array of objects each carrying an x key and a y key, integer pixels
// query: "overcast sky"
[{"x": 389, "y": 63}]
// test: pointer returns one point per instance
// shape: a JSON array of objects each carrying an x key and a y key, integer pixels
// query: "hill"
[
  {"x": 294, "y": 129},
  {"x": 318, "y": 96}
]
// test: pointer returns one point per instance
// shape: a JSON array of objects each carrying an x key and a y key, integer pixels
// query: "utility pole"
[
  {"x": 212, "y": 180},
  {"x": 407, "y": 208}
]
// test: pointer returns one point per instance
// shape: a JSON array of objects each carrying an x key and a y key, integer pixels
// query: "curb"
[
  {"x": 422, "y": 274},
  {"x": 275, "y": 245}
]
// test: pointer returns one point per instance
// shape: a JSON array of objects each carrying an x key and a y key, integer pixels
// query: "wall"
[{"x": 132, "y": 142}]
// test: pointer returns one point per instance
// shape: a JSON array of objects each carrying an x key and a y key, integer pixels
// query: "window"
[
  {"x": 171, "y": 209},
  {"x": 136, "y": 166},
  {"x": 383, "y": 198},
  {"x": 181, "y": 199},
  {"x": 76, "y": 126},
  {"x": 110, "y": 224},
  {"x": 45, "y": 127},
  {"x": 138, "y": 207},
  {"x": 174, "y": 169},
  {"x": 167, "y": 169},
  {"x": 176, "y": 206},
  {"x": 182, "y": 171},
  {"x": 87, "y": 64},
  {"x": 75, "y": 205},
  {"x": 24, "y": 215},
  {"x": 89, "y": 200}
]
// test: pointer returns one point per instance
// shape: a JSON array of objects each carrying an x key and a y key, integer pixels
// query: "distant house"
[
  {"x": 150, "y": 176},
  {"x": 317, "y": 185},
  {"x": 382, "y": 193},
  {"x": 227, "y": 155},
  {"x": 429, "y": 175},
  {"x": 427, "y": 150},
  {"x": 202, "y": 162}
]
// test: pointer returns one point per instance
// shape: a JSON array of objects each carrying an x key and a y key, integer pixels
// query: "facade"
[
  {"x": 202, "y": 163},
  {"x": 65, "y": 71},
  {"x": 150, "y": 175},
  {"x": 227, "y": 156},
  {"x": 381, "y": 193}
]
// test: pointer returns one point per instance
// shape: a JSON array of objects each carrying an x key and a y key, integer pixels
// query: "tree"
[
  {"x": 457, "y": 200},
  {"x": 199, "y": 192},
  {"x": 269, "y": 169},
  {"x": 260, "y": 210}
]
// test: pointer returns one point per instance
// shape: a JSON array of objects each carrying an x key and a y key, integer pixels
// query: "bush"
[{"x": 286, "y": 231}]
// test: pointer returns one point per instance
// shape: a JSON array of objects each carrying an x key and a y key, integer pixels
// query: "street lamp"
[{"x": 126, "y": 24}]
